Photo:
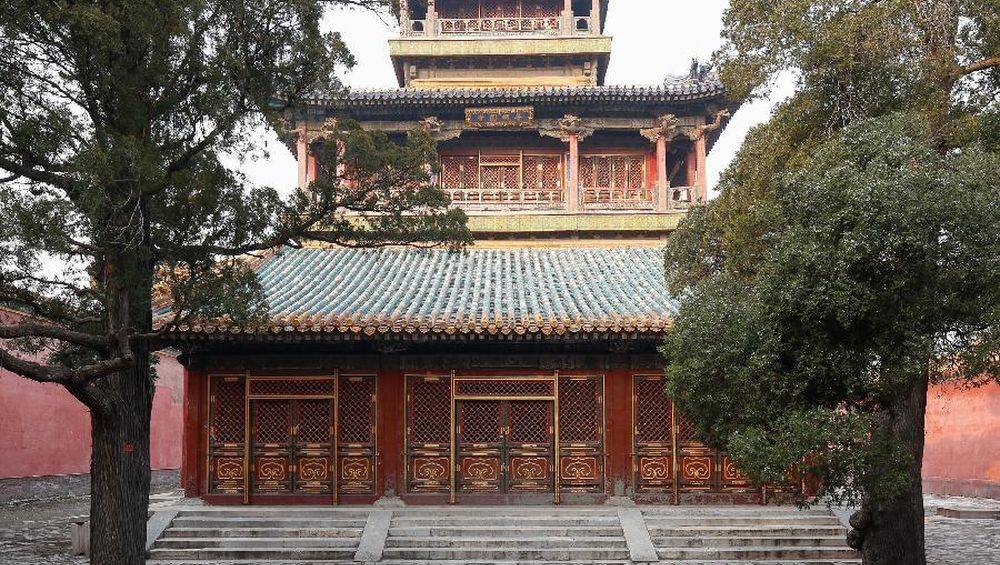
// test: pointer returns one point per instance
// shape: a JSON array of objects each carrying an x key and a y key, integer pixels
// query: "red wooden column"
[
  {"x": 573, "y": 190},
  {"x": 618, "y": 432},
  {"x": 195, "y": 418},
  {"x": 701, "y": 178},
  {"x": 391, "y": 406},
  {"x": 662, "y": 182},
  {"x": 302, "y": 155}
]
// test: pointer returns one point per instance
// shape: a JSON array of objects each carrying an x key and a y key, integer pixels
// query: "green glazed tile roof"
[{"x": 478, "y": 291}]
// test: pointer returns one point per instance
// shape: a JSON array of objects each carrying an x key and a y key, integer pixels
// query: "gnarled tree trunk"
[{"x": 891, "y": 532}]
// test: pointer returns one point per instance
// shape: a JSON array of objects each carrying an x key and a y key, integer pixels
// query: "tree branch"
[
  {"x": 980, "y": 65},
  {"x": 66, "y": 377},
  {"x": 33, "y": 329}
]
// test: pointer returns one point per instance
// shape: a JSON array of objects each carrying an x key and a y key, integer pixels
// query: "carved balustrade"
[{"x": 498, "y": 26}]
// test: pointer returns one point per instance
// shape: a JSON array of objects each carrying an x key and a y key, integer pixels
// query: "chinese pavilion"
[{"x": 522, "y": 370}]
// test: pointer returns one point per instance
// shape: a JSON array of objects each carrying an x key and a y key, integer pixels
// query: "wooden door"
[
  {"x": 480, "y": 446},
  {"x": 528, "y": 446}
]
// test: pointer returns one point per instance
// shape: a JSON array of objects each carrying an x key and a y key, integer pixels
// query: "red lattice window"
[
  {"x": 686, "y": 431},
  {"x": 457, "y": 9},
  {"x": 500, "y": 8},
  {"x": 529, "y": 421},
  {"x": 579, "y": 410},
  {"x": 480, "y": 421},
  {"x": 458, "y": 172},
  {"x": 542, "y": 172},
  {"x": 504, "y": 387},
  {"x": 652, "y": 411},
  {"x": 228, "y": 410},
  {"x": 272, "y": 421},
  {"x": 430, "y": 411},
  {"x": 315, "y": 419},
  {"x": 356, "y": 409},
  {"x": 292, "y": 387}
]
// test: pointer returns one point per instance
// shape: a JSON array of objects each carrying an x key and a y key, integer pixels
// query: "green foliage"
[
  {"x": 860, "y": 58},
  {"x": 115, "y": 119},
  {"x": 810, "y": 312}
]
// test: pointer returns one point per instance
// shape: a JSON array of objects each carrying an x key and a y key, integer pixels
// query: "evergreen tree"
[
  {"x": 115, "y": 195},
  {"x": 853, "y": 255}
]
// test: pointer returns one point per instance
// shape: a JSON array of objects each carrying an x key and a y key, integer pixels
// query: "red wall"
[
  {"x": 45, "y": 431},
  {"x": 962, "y": 451}
]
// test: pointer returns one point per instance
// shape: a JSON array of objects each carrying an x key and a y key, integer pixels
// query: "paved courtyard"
[{"x": 38, "y": 533}]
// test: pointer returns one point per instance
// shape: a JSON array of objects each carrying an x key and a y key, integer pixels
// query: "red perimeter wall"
[
  {"x": 45, "y": 431},
  {"x": 962, "y": 451}
]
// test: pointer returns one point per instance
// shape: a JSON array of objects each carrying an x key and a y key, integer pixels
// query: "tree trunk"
[
  {"x": 120, "y": 465},
  {"x": 891, "y": 532},
  {"x": 119, "y": 471}
]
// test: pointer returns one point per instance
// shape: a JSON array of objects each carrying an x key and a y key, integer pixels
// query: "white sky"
[{"x": 652, "y": 38}]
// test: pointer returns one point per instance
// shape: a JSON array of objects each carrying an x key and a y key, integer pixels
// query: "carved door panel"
[
  {"x": 428, "y": 434},
  {"x": 581, "y": 434},
  {"x": 272, "y": 435},
  {"x": 528, "y": 446},
  {"x": 313, "y": 436},
  {"x": 356, "y": 429},
  {"x": 653, "y": 435},
  {"x": 227, "y": 421},
  {"x": 480, "y": 435}
]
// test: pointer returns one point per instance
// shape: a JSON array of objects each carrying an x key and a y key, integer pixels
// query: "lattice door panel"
[
  {"x": 356, "y": 431},
  {"x": 528, "y": 446},
  {"x": 428, "y": 434},
  {"x": 653, "y": 459},
  {"x": 227, "y": 421},
  {"x": 615, "y": 181},
  {"x": 581, "y": 434},
  {"x": 480, "y": 437},
  {"x": 313, "y": 446},
  {"x": 272, "y": 435}
]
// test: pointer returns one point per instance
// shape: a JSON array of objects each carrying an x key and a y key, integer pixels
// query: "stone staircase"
[
  {"x": 234, "y": 534},
  {"x": 503, "y": 535},
  {"x": 759, "y": 534}
]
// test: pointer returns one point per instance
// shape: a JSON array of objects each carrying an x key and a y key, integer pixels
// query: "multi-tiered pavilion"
[{"x": 523, "y": 369}]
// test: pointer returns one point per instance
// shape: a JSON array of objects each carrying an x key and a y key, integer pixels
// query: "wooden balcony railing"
[
  {"x": 480, "y": 198},
  {"x": 609, "y": 198},
  {"x": 498, "y": 26}
]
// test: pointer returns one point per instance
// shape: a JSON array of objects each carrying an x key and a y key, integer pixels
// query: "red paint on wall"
[
  {"x": 962, "y": 450},
  {"x": 45, "y": 431}
]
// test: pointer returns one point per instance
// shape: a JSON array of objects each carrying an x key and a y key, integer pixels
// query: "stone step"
[
  {"x": 726, "y": 541},
  {"x": 275, "y": 522},
  {"x": 253, "y": 553},
  {"x": 270, "y": 512},
  {"x": 261, "y": 532},
  {"x": 501, "y": 519},
  {"x": 494, "y": 562},
  {"x": 513, "y": 542},
  {"x": 755, "y": 552},
  {"x": 572, "y": 555},
  {"x": 241, "y": 543},
  {"x": 503, "y": 532},
  {"x": 762, "y": 562},
  {"x": 683, "y": 510},
  {"x": 749, "y": 531},
  {"x": 660, "y": 521}
]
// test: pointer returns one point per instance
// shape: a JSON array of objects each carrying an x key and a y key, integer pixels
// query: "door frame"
[
  {"x": 250, "y": 397},
  {"x": 506, "y": 448},
  {"x": 458, "y": 394}
]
